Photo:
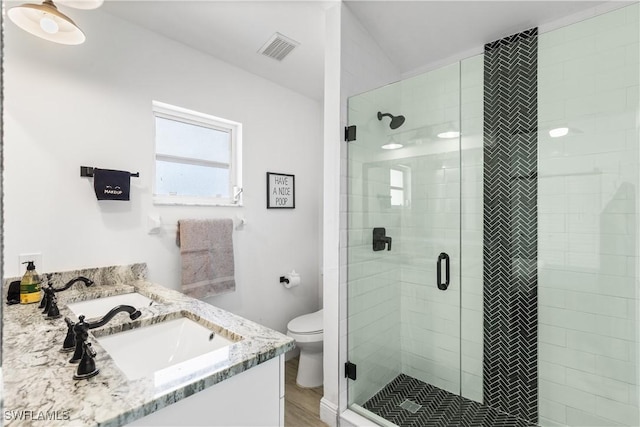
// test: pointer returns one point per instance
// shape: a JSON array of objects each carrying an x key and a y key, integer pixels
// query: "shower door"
[{"x": 403, "y": 250}]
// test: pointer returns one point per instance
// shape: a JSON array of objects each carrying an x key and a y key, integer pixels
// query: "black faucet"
[
  {"x": 47, "y": 298},
  {"x": 133, "y": 315},
  {"x": 87, "y": 282},
  {"x": 84, "y": 353},
  {"x": 81, "y": 329}
]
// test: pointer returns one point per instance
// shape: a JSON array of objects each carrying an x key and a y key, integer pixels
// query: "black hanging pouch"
[
  {"x": 111, "y": 184},
  {"x": 13, "y": 294}
]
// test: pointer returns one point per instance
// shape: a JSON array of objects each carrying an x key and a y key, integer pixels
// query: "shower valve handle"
[{"x": 380, "y": 239}]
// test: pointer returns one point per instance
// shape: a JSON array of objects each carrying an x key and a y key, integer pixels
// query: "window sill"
[{"x": 174, "y": 201}]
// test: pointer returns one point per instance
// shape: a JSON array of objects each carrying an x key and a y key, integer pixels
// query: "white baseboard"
[
  {"x": 352, "y": 418},
  {"x": 328, "y": 413}
]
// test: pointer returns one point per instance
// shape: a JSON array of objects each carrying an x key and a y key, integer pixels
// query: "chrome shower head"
[{"x": 396, "y": 121}]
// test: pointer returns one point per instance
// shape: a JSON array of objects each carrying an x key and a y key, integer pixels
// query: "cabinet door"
[{"x": 251, "y": 398}]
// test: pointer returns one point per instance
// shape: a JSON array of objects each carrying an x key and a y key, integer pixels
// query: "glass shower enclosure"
[
  {"x": 405, "y": 236},
  {"x": 430, "y": 329}
]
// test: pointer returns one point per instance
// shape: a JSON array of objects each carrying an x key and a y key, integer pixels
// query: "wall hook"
[{"x": 240, "y": 222}]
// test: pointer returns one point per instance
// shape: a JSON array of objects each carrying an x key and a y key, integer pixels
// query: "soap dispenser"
[{"x": 30, "y": 285}]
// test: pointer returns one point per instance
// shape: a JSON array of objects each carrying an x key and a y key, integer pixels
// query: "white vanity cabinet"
[{"x": 254, "y": 397}]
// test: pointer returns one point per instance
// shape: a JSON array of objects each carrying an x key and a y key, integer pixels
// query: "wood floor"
[{"x": 302, "y": 405}]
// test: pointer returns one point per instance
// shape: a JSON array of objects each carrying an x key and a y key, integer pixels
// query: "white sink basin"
[
  {"x": 98, "y": 307},
  {"x": 169, "y": 350}
]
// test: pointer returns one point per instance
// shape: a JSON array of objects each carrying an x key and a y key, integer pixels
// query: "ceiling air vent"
[{"x": 278, "y": 47}]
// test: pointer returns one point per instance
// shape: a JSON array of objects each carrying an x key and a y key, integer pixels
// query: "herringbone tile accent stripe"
[
  {"x": 510, "y": 376},
  {"x": 439, "y": 407}
]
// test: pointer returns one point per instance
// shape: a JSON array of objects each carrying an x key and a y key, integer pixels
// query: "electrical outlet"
[{"x": 36, "y": 257}]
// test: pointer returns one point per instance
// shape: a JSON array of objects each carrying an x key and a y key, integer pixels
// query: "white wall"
[
  {"x": 91, "y": 105},
  {"x": 361, "y": 66},
  {"x": 332, "y": 307}
]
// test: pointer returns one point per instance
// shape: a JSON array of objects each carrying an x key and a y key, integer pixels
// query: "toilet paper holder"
[{"x": 290, "y": 280}]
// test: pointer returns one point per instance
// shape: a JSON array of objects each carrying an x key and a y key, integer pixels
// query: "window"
[
  {"x": 399, "y": 180},
  {"x": 198, "y": 158}
]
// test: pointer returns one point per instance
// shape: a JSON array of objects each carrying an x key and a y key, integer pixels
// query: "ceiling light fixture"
[{"x": 45, "y": 21}]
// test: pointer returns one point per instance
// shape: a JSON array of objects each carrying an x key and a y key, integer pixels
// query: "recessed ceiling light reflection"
[
  {"x": 449, "y": 135},
  {"x": 558, "y": 132},
  {"x": 392, "y": 146}
]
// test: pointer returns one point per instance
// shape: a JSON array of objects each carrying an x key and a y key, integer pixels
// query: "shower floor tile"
[{"x": 438, "y": 408}]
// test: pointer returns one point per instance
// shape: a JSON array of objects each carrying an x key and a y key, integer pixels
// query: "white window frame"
[{"x": 172, "y": 112}]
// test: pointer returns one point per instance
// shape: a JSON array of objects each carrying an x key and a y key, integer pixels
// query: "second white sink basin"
[
  {"x": 98, "y": 307},
  {"x": 180, "y": 344}
]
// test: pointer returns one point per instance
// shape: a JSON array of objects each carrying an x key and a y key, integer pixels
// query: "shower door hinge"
[
  {"x": 350, "y": 133},
  {"x": 350, "y": 370}
]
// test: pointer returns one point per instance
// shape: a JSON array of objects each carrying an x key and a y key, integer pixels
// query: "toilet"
[{"x": 308, "y": 333}]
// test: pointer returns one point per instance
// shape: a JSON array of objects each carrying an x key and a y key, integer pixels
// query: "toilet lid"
[{"x": 306, "y": 324}]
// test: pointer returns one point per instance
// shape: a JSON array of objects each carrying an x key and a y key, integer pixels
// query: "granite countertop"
[{"x": 38, "y": 380}]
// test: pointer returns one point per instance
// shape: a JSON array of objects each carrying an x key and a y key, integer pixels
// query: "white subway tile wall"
[{"x": 588, "y": 222}]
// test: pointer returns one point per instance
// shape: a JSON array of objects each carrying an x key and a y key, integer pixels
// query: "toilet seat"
[
  {"x": 317, "y": 337},
  {"x": 308, "y": 324}
]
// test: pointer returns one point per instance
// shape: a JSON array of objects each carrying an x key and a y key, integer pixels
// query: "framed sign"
[{"x": 281, "y": 191}]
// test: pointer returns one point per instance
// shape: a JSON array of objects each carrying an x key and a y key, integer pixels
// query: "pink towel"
[{"x": 206, "y": 249}]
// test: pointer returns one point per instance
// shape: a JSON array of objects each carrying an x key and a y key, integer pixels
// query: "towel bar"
[
  {"x": 238, "y": 224},
  {"x": 88, "y": 171}
]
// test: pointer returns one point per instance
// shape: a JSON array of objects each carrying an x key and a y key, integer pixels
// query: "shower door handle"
[{"x": 447, "y": 272}]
